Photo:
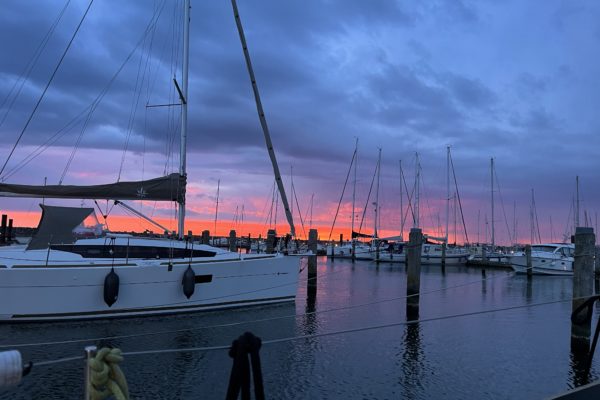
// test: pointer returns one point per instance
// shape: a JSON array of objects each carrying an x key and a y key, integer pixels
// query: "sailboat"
[{"x": 56, "y": 277}]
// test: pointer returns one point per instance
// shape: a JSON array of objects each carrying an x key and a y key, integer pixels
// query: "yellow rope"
[{"x": 107, "y": 379}]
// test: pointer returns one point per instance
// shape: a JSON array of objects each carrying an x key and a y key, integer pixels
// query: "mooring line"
[{"x": 319, "y": 335}]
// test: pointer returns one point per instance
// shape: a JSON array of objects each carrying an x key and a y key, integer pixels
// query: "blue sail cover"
[{"x": 166, "y": 188}]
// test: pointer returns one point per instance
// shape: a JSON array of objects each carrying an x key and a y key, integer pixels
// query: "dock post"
[
  {"x": 249, "y": 245},
  {"x": 483, "y": 255},
  {"x": 353, "y": 250},
  {"x": 413, "y": 265},
  {"x": 3, "y": 229},
  {"x": 376, "y": 251},
  {"x": 9, "y": 234},
  {"x": 341, "y": 239},
  {"x": 312, "y": 260},
  {"x": 89, "y": 353},
  {"x": 529, "y": 262},
  {"x": 270, "y": 241},
  {"x": 597, "y": 261},
  {"x": 444, "y": 245},
  {"x": 332, "y": 244},
  {"x": 583, "y": 283},
  {"x": 205, "y": 237},
  {"x": 232, "y": 241}
]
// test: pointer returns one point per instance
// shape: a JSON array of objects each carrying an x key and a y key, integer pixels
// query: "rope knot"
[{"x": 107, "y": 379}]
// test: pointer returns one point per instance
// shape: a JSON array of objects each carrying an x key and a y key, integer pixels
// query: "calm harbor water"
[{"x": 522, "y": 353}]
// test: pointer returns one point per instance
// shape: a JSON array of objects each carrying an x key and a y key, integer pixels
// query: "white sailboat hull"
[
  {"x": 71, "y": 290},
  {"x": 451, "y": 259}
]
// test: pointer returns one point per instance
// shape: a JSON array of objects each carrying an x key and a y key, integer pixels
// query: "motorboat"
[{"x": 546, "y": 259}]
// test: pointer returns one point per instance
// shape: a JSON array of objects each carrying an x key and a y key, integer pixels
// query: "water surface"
[{"x": 522, "y": 353}]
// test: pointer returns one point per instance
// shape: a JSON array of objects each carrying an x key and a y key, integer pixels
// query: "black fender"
[
  {"x": 111, "y": 288},
  {"x": 189, "y": 282}
]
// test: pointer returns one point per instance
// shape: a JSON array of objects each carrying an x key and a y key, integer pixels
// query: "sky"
[{"x": 512, "y": 80}]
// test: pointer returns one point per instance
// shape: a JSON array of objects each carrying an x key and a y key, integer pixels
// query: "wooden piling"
[
  {"x": 413, "y": 265},
  {"x": 258, "y": 244},
  {"x": 312, "y": 259},
  {"x": 597, "y": 262},
  {"x": 3, "y": 229},
  {"x": 249, "y": 244},
  {"x": 444, "y": 245},
  {"x": 528, "y": 261},
  {"x": 583, "y": 281},
  {"x": 271, "y": 241},
  {"x": 9, "y": 234},
  {"x": 232, "y": 240},
  {"x": 205, "y": 237},
  {"x": 341, "y": 239}
]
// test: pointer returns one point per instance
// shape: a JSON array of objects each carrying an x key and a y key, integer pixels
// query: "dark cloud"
[
  {"x": 470, "y": 93},
  {"x": 399, "y": 75},
  {"x": 529, "y": 85}
]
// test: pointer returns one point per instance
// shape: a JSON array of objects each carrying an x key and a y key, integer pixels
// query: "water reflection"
[
  {"x": 529, "y": 289},
  {"x": 412, "y": 362},
  {"x": 579, "y": 361}
]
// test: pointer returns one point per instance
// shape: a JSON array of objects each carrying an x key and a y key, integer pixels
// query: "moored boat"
[
  {"x": 546, "y": 259},
  {"x": 56, "y": 277}
]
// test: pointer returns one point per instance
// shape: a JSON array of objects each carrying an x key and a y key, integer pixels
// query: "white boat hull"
[
  {"x": 542, "y": 266},
  {"x": 451, "y": 259},
  {"x": 34, "y": 293}
]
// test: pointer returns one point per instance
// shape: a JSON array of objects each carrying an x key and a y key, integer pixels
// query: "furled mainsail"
[{"x": 166, "y": 188}]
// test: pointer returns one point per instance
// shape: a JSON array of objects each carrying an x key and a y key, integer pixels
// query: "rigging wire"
[
  {"x": 46, "y": 87},
  {"x": 65, "y": 129},
  {"x": 510, "y": 237},
  {"x": 299, "y": 212},
  {"x": 136, "y": 100},
  {"x": 362, "y": 219},
  {"x": 342, "y": 195},
  {"x": 409, "y": 196},
  {"x": 24, "y": 76},
  {"x": 459, "y": 202},
  {"x": 430, "y": 214}
]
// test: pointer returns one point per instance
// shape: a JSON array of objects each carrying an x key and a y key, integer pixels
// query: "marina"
[{"x": 179, "y": 220}]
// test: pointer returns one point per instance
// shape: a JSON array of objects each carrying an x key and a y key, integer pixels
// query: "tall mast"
[
  {"x": 217, "y": 207},
  {"x": 377, "y": 195},
  {"x": 401, "y": 206},
  {"x": 448, "y": 191},
  {"x": 577, "y": 201},
  {"x": 531, "y": 216},
  {"x": 263, "y": 121},
  {"x": 184, "y": 111},
  {"x": 492, "y": 176},
  {"x": 312, "y": 197},
  {"x": 417, "y": 179},
  {"x": 354, "y": 189},
  {"x": 515, "y": 223}
]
